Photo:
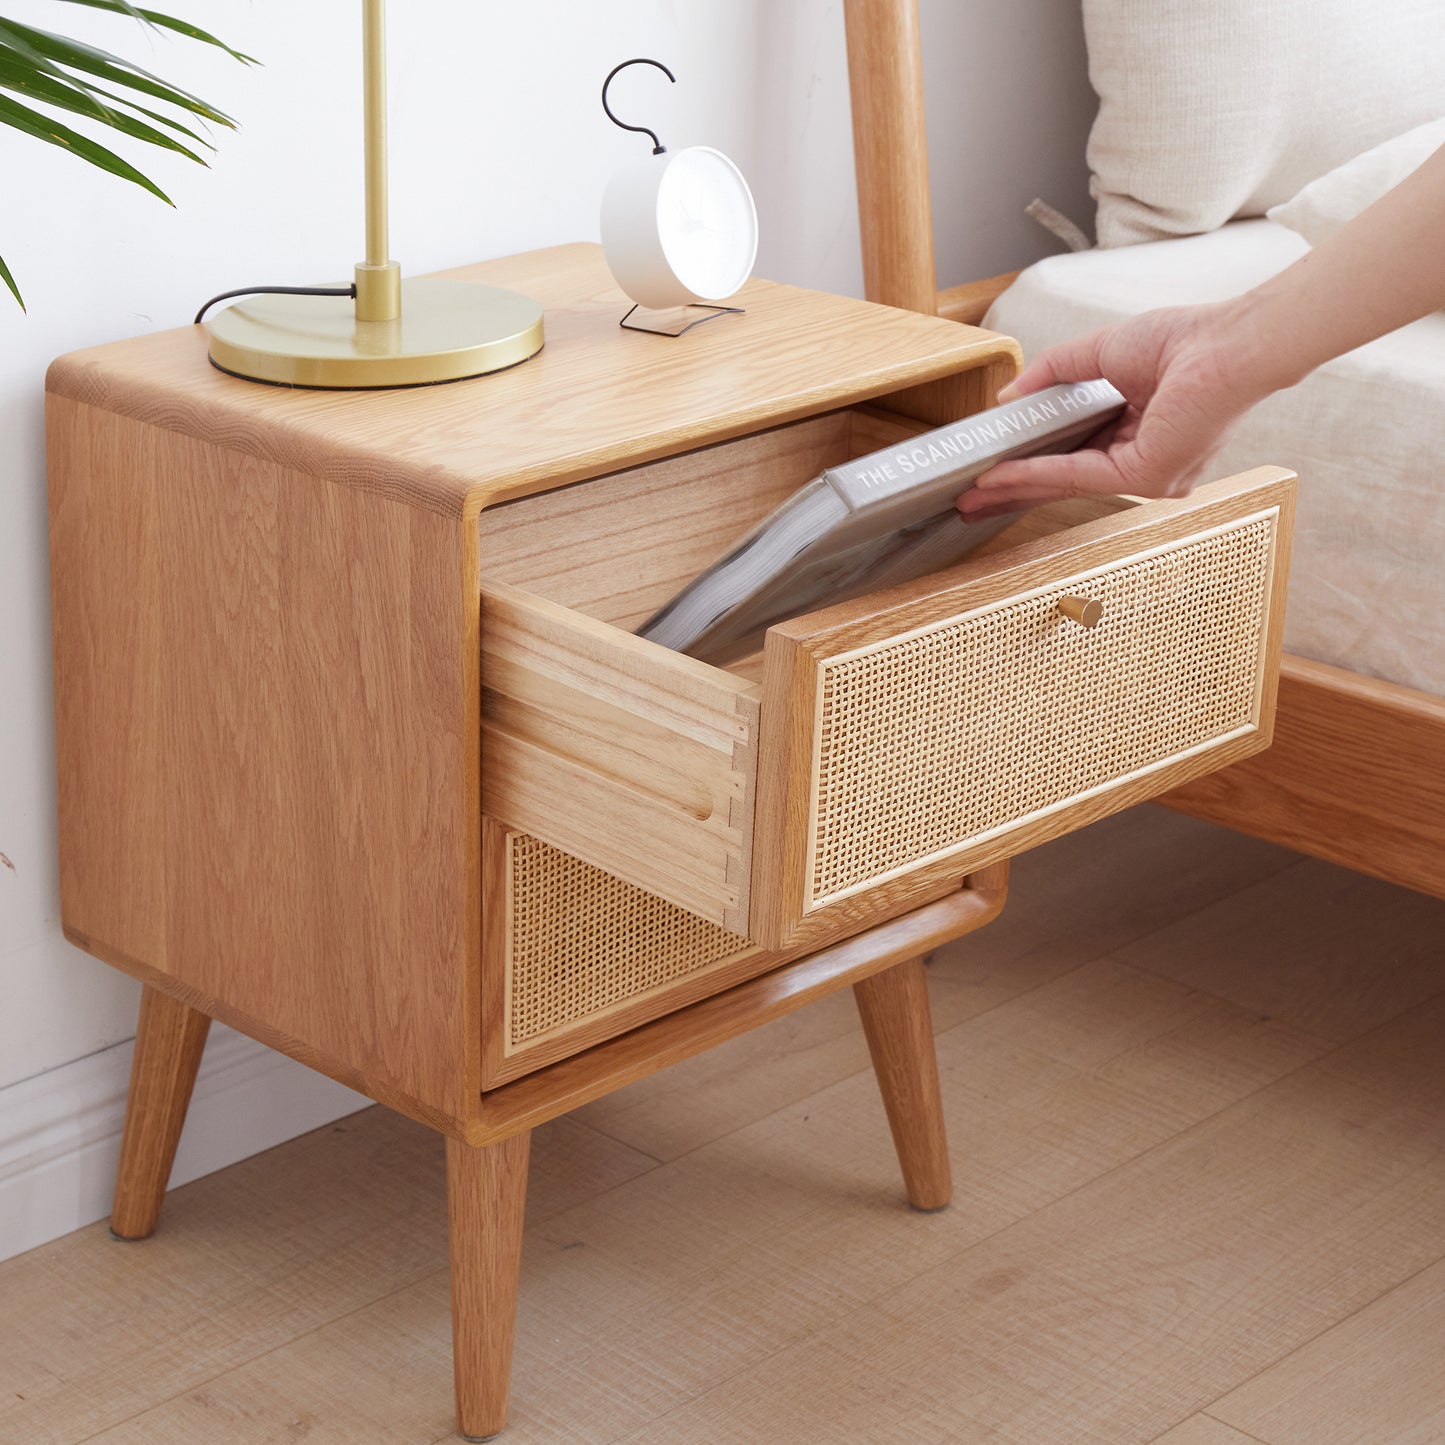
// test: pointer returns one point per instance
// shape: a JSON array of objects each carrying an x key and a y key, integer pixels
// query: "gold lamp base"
[{"x": 447, "y": 330}]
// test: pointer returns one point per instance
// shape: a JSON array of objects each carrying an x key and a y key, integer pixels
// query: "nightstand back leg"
[
  {"x": 899, "y": 1029},
  {"x": 169, "y": 1039},
  {"x": 486, "y": 1199}
]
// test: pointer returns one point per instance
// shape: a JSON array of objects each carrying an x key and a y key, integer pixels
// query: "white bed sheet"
[{"x": 1366, "y": 433}]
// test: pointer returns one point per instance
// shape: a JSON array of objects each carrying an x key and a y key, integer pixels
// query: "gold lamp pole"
[{"x": 395, "y": 333}]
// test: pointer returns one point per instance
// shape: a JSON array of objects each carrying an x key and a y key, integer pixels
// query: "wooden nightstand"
[{"x": 358, "y": 754}]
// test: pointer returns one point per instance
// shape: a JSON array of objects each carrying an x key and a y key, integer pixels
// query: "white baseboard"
[{"x": 60, "y": 1131}]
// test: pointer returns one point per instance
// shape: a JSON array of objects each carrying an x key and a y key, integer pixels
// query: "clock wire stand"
[{"x": 629, "y": 325}]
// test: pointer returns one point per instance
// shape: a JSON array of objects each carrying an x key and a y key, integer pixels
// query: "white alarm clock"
[{"x": 678, "y": 226}]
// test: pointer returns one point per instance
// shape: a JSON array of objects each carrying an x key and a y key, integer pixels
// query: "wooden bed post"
[
  {"x": 890, "y": 154},
  {"x": 890, "y": 149}
]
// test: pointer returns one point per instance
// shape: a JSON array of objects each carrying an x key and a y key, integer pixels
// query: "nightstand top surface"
[{"x": 595, "y": 399}]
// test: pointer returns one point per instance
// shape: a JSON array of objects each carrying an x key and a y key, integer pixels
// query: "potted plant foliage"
[{"x": 39, "y": 68}]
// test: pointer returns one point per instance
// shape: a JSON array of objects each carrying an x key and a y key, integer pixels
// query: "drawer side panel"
[{"x": 636, "y": 759}]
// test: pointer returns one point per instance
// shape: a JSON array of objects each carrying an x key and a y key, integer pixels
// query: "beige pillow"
[
  {"x": 1214, "y": 109},
  {"x": 1326, "y": 204}
]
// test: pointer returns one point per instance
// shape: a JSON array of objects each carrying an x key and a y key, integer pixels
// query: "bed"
[{"x": 1356, "y": 774}]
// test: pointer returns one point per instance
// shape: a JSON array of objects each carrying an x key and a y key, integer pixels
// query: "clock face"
[{"x": 706, "y": 222}]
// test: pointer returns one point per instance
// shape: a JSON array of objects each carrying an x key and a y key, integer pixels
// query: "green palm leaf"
[
  {"x": 60, "y": 72},
  {"x": 42, "y": 127},
  {"x": 155, "y": 115},
  {"x": 12, "y": 39},
  {"x": 14, "y": 76},
  {"x": 166, "y": 22},
  {"x": 76, "y": 55},
  {"x": 9, "y": 280}
]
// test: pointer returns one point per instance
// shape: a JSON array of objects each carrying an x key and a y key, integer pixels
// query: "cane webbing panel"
[
  {"x": 583, "y": 940},
  {"x": 932, "y": 741}
]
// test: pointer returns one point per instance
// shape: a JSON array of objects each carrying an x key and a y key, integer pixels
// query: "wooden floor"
[{"x": 1196, "y": 1097}]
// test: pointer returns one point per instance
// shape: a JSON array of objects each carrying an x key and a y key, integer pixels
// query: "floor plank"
[
  {"x": 1141, "y": 1296},
  {"x": 247, "y": 1260},
  {"x": 1343, "y": 952},
  {"x": 1064, "y": 910},
  {"x": 1193, "y": 1088},
  {"x": 1206, "y": 1430},
  {"x": 1378, "y": 1378},
  {"x": 662, "y": 1289}
]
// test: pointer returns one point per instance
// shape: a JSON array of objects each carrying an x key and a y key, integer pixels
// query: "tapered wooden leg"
[
  {"x": 486, "y": 1198},
  {"x": 169, "y": 1039},
  {"x": 899, "y": 1029}
]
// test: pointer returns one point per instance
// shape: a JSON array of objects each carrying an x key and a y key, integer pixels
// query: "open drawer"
[{"x": 889, "y": 745}]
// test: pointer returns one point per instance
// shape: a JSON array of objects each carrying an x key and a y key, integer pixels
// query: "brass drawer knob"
[{"x": 1086, "y": 611}]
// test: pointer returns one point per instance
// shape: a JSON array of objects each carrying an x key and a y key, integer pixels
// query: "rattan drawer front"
[
  {"x": 575, "y": 955},
  {"x": 583, "y": 941},
  {"x": 918, "y": 735},
  {"x": 1016, "y": 709}
]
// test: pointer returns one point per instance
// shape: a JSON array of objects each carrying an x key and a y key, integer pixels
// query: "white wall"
[
  {"x": 498, "y": 144},
  {"x": 1009, "y": 106}
]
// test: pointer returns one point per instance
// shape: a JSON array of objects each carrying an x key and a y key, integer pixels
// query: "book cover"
[{"x": 881, "y": 519}]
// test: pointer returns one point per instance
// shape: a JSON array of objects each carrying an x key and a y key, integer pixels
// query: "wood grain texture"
[
  {"x": 899, "y": 1028},
  {"x": 1204, "y": 1429},
  {"x": 1356, "y": 775},
  {"x": 252, "y": 1260},
  {"x": 660, "y": 1298},
  {"x": 636, "y": 759},
  {"x": 617, "y": 751},
  {"x": 783, "y": 910},
  {"x": 1375, "y": 1376},
  {"x": 486, "y": 1200},
  {"x": 1041, "y": 561},
  {"x": 641, "y": 1303},
  {"x": 1340, "y": 934},
  {"x": 596, "y": 398},
  {"x": 1118, "y": 1310},
  {"x": 293, "y": 843},
  {"x": 169, "y": 1040},
  {"x": 890, "y": 152},
  {"x": 292, "y": 616},
  {"x": 268, "y": 656},
  {"x": 107, "y": 631},
  {"x": 968, "y": 303},
  {"x": 670, "y": 518},
  {"x": 963, "y": 392}
]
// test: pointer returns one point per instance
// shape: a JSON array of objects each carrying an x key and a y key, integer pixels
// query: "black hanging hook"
[{"x": 657, "y": 146}]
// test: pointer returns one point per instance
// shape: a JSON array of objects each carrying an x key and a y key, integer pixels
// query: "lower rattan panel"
[
  {"x": 929, "y": 742},
  {"x": 583, "y": 948}
]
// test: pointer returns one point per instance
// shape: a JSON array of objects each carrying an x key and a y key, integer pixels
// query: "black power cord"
[{"x": 276, "y": 291}]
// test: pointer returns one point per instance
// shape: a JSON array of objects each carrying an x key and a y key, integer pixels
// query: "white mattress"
[{"x": 1366, "y": 433}]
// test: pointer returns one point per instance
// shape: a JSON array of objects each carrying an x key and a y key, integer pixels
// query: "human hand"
[{"x": 1182, "y": 395}]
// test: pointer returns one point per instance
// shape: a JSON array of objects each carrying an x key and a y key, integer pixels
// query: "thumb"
[{"x": 1077, "y": 360}]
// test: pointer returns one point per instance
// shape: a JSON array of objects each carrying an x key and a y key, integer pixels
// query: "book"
[{"x": 863, "y": 525}]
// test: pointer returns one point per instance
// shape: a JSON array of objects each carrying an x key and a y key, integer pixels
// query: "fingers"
[
  {"x": 1027, "y": 481},
  {"x": 1076, "y": 360}
]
